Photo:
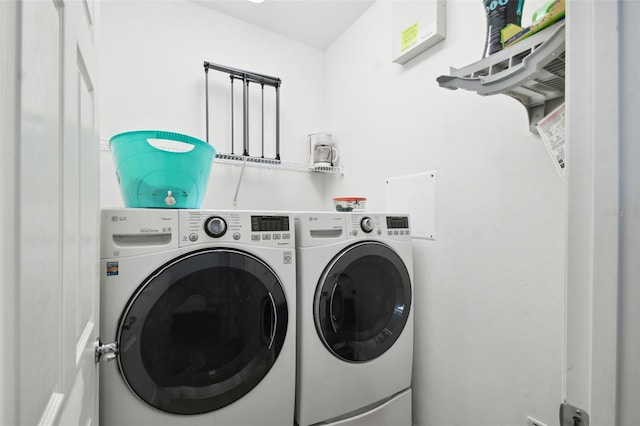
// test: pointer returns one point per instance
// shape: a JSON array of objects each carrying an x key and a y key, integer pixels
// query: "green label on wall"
[{"x": 409, "y": 37}]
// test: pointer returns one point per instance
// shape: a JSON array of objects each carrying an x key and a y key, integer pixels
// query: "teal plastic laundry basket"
[{"x": 159, "y": 169}]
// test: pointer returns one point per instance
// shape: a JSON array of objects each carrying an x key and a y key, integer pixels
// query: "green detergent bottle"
[{"x": 499, "y": 14}]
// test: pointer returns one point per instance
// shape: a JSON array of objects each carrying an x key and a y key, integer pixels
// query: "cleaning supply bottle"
[{"x": 499, "y": 14}]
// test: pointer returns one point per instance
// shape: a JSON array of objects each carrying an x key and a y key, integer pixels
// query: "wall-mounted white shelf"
[
  {"x": 531, "y": 71},
  {"x": 417, "y": 26},
  {"x": 268, "y": 163}
]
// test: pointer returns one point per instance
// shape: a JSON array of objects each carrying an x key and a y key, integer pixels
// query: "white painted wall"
[
  {"x": 152, "y": 77},
  {"x": 489, "y": 292}
]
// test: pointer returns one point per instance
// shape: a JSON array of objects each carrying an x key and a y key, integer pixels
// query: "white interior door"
[{"x": 49, "y": 153}]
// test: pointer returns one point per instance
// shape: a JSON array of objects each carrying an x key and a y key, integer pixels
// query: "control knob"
[
  {"x": 367, "y": 224},
  {"x": 215, "y": 227}
]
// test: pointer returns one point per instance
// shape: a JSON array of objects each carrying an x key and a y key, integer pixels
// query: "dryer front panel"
[
  {"x": 202, "y": 331},
  {"x": 362, "y": 301}
]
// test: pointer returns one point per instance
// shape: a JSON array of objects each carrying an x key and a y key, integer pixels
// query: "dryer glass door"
[
  {"x": 362, "y": 301},
  {"x": 202, "y": 331}
]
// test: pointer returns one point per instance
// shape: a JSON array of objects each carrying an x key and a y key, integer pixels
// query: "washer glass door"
[
  {"x": 362, "y": 301},
  {"x": 202, "y": 331}
]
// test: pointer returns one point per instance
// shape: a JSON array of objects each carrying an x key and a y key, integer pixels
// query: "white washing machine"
[
  {"x": 198, "y": 318},
  {"x": 355, "y": 319}
]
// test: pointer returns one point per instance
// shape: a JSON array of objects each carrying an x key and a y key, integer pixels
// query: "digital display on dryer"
[
  {"x": 397, "y": 222},
  {"x": 269, "y": 223}
]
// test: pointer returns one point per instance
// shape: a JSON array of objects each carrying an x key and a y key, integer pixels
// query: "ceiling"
[{"x": 317, "y": 23}]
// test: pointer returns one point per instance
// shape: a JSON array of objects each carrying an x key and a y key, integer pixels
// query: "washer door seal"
[
  {"x": 202, "y": 331},
  {"x": 362, "y": 301}
]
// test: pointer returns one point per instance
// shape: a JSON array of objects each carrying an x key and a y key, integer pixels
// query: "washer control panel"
[
  {"x": 268, "y": 229},
  {"x": 215, "y": 226}
]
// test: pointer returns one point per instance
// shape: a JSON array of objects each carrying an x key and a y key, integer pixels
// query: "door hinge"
[
  {"x": 109, "y": 351},
  {"x": 573, "y": 416}
]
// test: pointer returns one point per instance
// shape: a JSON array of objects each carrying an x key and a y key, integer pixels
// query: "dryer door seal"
[
  {"x": 202, "y": 331},
  {"x": 362, "y": 301}
]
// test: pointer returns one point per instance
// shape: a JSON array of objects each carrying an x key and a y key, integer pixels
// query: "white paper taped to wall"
[
  {"x": 416, "y": 195},
  {"x": 552, "y": 131}
]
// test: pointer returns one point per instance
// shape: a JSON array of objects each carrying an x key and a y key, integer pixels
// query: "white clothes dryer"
[
  {"x": 355, "y": 319},
  {"x": 198, "y": 317}
]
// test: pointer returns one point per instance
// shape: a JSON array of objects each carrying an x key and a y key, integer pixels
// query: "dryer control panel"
[
  {"x": 263, "y": 229},
  {"x": 374, "y": 225},
  {"x": 324, "y": 228}
]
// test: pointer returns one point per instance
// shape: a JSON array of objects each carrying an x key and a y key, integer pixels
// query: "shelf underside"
[{"x": 531, "y": 71}]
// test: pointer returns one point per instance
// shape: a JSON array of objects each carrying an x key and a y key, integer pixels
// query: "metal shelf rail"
[
  {"x": 247, "y": 77},
  {"x": 531, "y": 71},
  {"x": 268, "y": 163},
  {"x": 245, "y": 159}
]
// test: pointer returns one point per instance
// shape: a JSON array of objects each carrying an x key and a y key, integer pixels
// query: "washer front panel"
[
  {"x": 202, "y": 331},
  {"x": 362, "y": 301}
]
